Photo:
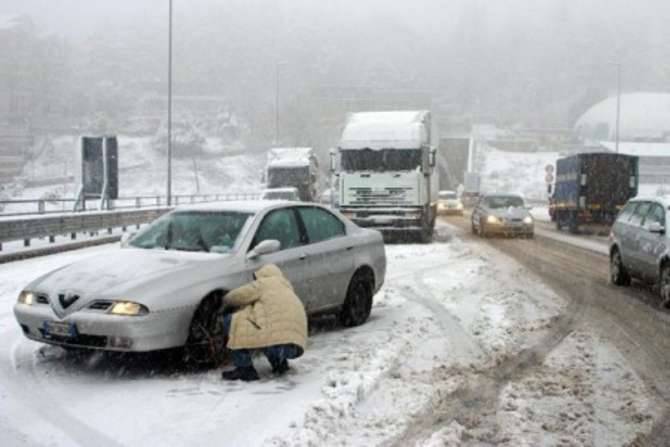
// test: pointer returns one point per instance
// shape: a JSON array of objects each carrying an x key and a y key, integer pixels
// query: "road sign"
[
  {"x": 549, "y": 177},
  {"x": 549, "y": 169}
]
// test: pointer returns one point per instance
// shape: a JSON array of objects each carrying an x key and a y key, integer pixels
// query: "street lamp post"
[
  {"x": 169, "y": 120},
  {"x": 277, "y": 65},
  {"x": 618, "y": 105}
]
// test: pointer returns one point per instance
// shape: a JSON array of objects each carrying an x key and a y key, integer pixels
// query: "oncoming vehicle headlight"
[
  {"x": 492, "y": 220},
  {"x": 128, "y": 308},
  {"x": 459, "y": 205},
  {"x": 27, "y": 298},
  {"x": 528, "y": 220}
]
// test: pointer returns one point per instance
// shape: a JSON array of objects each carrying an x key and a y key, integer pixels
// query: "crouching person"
[{"x": 269, "y": 317}]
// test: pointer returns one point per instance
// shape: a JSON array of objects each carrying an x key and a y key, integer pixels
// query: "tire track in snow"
[{"x": 474, "y": 404}]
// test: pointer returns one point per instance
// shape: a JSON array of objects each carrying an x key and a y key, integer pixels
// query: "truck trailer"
[
  {"x": 386, "y": 172},
  {"x": 591, "y": 188}
]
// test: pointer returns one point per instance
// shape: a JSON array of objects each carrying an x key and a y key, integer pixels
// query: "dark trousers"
[{"x": 275, "y": 354}]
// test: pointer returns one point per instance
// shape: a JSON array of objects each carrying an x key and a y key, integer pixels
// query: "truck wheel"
[
  {"x": 618, "y": 274},
  {"x": 358, "y": 303}
]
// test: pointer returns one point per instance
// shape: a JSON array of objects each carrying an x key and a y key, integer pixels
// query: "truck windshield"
[
  {"x": 294, "y": 176},
  {"x": 381, "y": 160}
]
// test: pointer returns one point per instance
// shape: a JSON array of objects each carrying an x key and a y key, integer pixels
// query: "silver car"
[
  {"x": 640, "y": 246},
  {"x": 164, "y": 287},
  {"x": 504, "y": 214}
]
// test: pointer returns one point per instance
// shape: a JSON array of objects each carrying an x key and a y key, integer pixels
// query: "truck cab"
[{"x": 385, "y": 172}]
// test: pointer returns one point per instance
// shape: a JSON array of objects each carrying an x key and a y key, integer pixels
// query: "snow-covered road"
[{"x": 464, "y": 347}]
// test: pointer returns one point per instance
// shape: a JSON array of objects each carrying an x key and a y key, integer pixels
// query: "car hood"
[
  {"x": 121, "y": 274},
  {"x": 509, "y": 213}
]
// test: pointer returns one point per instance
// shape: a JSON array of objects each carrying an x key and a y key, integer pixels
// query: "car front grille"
[{"x": 93, "y": 341}]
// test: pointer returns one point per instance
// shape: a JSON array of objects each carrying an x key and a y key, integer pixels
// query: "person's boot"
[
  {"x": 247, "y": 374},
  {"x": 281, "y": 368}
]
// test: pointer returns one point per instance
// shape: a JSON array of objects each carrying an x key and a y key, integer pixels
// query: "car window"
[
  {"x": 281, "y": 225},
  {"x": 503, "y": 202},
  {"x": 627, "y": 212},
  {"x": 640, "y": 213},
  {"x": 656, "y": 214},
  {"x": 320, "y": 224}
]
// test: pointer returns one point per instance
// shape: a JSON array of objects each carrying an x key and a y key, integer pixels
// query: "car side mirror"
[
  {"x": 656, "y": 227},
  {"x": 432, "y": 157},
  {"x": 125, "y": 238},
  {"x": 264, "y": 248}
]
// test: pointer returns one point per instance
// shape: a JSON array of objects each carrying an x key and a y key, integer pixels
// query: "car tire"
[
  {"x": 618, "y": 273},
  {"x": 472, "y": 225},
  {"x": 358, "y": 303},
  {"x": 664, "y": 285},
  {"x": 206, "y": 344}
]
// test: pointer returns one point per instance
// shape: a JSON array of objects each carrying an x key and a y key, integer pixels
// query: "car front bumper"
[
  {"x": 510, "y": 229},
  {"x": 155, "y": 331}
]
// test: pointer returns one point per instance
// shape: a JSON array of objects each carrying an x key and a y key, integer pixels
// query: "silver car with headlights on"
[
  {"x": 163, "y": 288},
  {"x": 503, "y": 214}
]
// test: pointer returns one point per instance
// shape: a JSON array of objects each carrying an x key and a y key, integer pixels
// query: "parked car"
[
  {"x": 640, "y": 246},
  {"x": 504, "y": 214},
  {"x": 449, "y": 203},
  {"x": 287, "y": 193},
  {"x": 164, "y": 286}
]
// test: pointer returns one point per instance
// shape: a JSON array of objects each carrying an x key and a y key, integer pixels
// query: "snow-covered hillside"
[
  {"x": 516, "y": 172},
  {"x": 142, "y": 169}
]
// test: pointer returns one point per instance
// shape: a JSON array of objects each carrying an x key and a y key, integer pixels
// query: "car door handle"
[
  {"x": 302, "y": 257},
  {"x": 350, "y": 248}
]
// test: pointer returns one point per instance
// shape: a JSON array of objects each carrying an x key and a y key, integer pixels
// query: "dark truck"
[{"x": 591, "y": 188}]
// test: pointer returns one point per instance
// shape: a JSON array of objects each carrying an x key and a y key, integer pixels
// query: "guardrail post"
[
  {"x": 176, "y": 200},
  {"x": 158, "y": 200},
  {"x": 40, "y": 206},
  {"x": 52, "y": 239},
  {"x": 26, "y": 242},
  {"x": 109, "y": 231},
  {"x": 0, "y": 246},
  {"x": 73, "y": 236},
  {"x": 138, "y": 202},
  {"x": 123, "y": 228},
  {"x": 192, "y": 199}
]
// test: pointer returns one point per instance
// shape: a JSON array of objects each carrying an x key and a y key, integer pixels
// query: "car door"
[
  {"x": 632, "y": 243},
  {"x": 652, "y": 244},
  {"x": 622, "y": 230},
  {"x": 331, "y": 256},
  {"x": 282, "y": 225}
]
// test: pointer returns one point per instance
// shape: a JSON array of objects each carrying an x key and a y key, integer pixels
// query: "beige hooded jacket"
[{"x": 269, "y": 313}]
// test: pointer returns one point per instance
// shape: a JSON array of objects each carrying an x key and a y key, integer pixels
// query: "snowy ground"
[{"x": 429, "y": 368}]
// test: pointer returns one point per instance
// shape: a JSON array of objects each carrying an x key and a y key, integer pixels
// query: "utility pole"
[
  {"x": 618, "y": 104},
  {"x": 276, "y": 103},
  {"x": 169, "y": 120}
]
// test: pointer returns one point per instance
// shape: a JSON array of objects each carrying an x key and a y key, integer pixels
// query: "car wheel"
[
  {"x": 664, "y": 286},
  {"x": 358, "y": 303},
  {"x": 618, "y": 274},
  {"x": 472, "y": 225},
  {"x": 206, "y": 344}
]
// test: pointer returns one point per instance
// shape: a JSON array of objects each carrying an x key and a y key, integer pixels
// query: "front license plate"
[{"x": 59, "y": 329}]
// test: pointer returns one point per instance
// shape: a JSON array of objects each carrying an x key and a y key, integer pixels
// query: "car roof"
[
  {"x": 663, "y": 200},
  {"x": 242, "y": 206},
  {"x": 284, "y": 189}
]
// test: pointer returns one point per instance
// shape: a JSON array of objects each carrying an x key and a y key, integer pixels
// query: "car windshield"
[
  {"x": 503, "y": 202},
  {"x": 448, "y": 195},
  {"x": 280, "y": 195},
  {"x": 193, "y": 231}
]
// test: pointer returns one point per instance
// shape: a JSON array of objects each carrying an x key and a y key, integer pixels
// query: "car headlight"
[
  {"x": 528, "y": 220},
  {"x": 492, "y": 220},
  {"x": 27, "y": 298},
  {"x": 459, "y": 206},
  {"x": 128, "y": 308}
]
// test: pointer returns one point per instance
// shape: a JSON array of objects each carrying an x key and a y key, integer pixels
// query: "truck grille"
[{"x": 385, "y": 196}]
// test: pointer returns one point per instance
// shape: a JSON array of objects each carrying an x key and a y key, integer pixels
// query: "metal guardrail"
[
  {"x": 64, "y": 205},
  {"x": 48, "y": 224}
]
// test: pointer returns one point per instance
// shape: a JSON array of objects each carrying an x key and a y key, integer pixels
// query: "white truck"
[
  {"x": 385, "y": 166},
  {"x": 296, "y": 167}
]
